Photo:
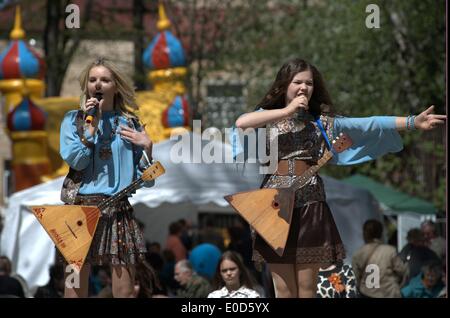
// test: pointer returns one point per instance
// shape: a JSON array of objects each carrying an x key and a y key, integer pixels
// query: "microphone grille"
[{"x": 99, "y": 96}]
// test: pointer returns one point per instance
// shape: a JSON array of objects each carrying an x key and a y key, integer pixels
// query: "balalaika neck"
[
  {"x": 304, "y": 178},
  {"x": 128, "y": 191}
]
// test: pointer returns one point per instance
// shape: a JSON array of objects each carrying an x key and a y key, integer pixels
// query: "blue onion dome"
[
  {"x": 177, "y": 114},
  {"x": 26, "y": 116},
  {"x": 20, "y": 60},
  {"x": 165, "y": 50}
]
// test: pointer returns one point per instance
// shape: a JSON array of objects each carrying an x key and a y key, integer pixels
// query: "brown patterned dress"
[
  {"x": 313, "y": 235},
  {"x": 118, "y": 240}
]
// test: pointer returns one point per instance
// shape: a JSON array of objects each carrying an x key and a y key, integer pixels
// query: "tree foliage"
[{"x": 397, "y": 69}]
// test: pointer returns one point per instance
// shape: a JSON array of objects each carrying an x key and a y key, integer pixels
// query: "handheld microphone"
[{"x": 93, "y": 111}]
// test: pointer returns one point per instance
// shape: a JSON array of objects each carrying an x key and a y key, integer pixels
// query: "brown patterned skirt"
[
  {"x": 118, "y": 239},
  {"x": 313, "y": 238}
]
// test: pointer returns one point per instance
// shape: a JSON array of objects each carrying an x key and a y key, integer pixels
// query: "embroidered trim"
[
  {"x": 328, "y": 124},
  {"x": 308, "y": 255}
]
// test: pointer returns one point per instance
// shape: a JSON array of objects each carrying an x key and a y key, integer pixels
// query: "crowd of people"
[{"x": 417, "y": 271}]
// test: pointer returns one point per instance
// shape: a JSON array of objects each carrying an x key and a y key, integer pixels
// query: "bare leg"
[
  {"x": 284, "y": 280},
  {"x": 123, "y": 281},
  {"x": 307, "y": 279},
  {"x": 76, "y": 285}
]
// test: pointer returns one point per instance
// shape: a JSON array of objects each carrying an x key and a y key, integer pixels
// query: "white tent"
[{"x": 186, "y": 190}]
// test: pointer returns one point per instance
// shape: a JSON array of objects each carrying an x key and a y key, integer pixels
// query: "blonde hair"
[{"x": 124, "y": 99}]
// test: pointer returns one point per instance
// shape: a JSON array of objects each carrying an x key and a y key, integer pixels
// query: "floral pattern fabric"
[
  {"x": 304, "y": 141},
  {"x": 242, "y": 292}
]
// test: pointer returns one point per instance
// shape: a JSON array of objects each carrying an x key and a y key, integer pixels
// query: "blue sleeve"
[
  {"x": 235, "y": 142},
  {"x": 372, "y": 138},
  {"x": 72, "y": 150},
  {"x": 240, "y": 152}
]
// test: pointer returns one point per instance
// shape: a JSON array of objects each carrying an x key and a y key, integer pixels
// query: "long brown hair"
[
  {"x": 275, "y": 98},
  {"x": 147, "y": 279},
  {"x": 245, "y": 278}
]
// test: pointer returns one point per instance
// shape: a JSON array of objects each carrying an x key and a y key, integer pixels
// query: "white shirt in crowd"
[{"x": 242, "y": 292}]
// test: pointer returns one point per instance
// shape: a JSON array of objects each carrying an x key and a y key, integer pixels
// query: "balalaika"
[
  {"x": 269, "y": 211},
  {"x": 72, "y": 227}
]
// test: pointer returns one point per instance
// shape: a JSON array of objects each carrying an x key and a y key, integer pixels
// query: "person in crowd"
[
  {"x": 55, "y": 286},
  {"x": 210, "y": 234},
  {"x": 379, "y": 271},
  {"x": 432, "y": 240},
  {"x": 416, "y": 254},
  {"x": 174, "y": 242},
  {"x": 147, "y": 283},
  {"x": 186, "y": 233},
  {"x": 192, "y": 285},
  {"x": 204, "y": 259},
  {"x": 9, "y": 286},
  {"x": 427, "y": 284},
  {"x": 232, "y": 279}
]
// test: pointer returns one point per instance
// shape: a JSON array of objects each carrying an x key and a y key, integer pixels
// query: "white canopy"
[{"x": 184, "y": 191}]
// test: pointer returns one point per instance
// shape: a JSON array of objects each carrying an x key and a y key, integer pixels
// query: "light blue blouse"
[
  {"x": 372, "y": 138},
  {"x": 101, "y": 176}
]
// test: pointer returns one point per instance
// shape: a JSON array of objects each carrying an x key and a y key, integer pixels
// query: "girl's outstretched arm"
[{"x": 426, "y": 120}]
